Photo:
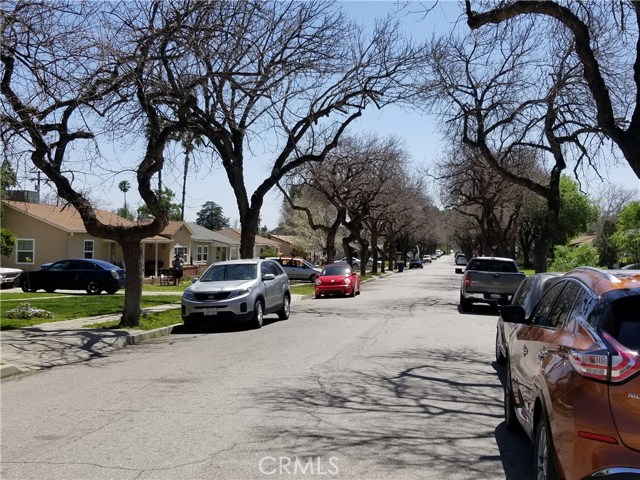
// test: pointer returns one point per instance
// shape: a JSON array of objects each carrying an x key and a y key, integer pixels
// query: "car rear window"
[
  {"x": 493, "y": 266},
  {"x": 624, "y": 321}
]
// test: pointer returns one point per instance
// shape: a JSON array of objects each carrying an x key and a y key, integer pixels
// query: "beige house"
[
  {"x": 260, "y": 246},
  {"x": 285, "y": 243},
  {"x": 47, "y": 233}
]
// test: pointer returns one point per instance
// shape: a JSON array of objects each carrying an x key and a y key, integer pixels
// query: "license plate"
[
  {"x": 210, "y": 311},
  {"x": 496, "y": 295}
]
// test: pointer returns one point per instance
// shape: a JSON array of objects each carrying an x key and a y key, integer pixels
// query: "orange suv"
[{"x": 573, "y": 376}]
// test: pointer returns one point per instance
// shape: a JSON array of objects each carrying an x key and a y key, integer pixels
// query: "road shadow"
[
  {"x": 433, "y": 410},
  {"x": 36, "y": 348},
  {"x": 228, "y": 325}
]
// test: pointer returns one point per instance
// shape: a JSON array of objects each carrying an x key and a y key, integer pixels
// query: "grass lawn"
[
  {"x": 148, "y": 321},
  {"x": 69, "y": 307}
]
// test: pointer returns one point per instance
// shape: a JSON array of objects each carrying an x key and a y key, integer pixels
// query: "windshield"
[
  {"x": 336, "y": 270},
  {"x": 220, "y": 273}
]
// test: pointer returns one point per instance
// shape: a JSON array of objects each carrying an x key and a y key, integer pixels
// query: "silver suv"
[
  {"x": 298, "y": 268},
  {"x": 245, "y": 290}
]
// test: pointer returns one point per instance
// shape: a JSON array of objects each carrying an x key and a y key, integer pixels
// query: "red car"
[{"x": 338, "y": 278}]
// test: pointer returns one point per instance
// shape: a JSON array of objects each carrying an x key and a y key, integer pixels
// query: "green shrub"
[
  {"x": 25, "y": 311},
  {"x": 567, "y": 258}
]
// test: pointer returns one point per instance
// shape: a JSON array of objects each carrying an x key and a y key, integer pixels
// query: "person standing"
[{"x": 177, "y": 264}]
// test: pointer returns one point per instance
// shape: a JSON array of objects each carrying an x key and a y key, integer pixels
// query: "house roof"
[
  {"x": 234, "y": 234},
  {"x": 581, "y": 240},
  {"x": 203, "y": 234},
  {"x": 283, "y": 238},
  {"x": 67, "y": 218}
]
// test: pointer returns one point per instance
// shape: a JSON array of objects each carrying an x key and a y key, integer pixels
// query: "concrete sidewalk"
[{"x": 47, "y": 345}]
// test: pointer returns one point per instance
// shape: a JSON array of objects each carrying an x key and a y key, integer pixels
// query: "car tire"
[
  {"x": 500, "y": 358},
  {"x": 510, "y": 419},
  {"x": 465, "y": 305},
  {"x": 111, "y": 291},
  {"x": 188, "y": 323},
  {"x": 353, "y": 291},
  {"x": 313, "y": 278},
  {"x": 27, "y": 287},
  {"x": 258, "y": 315},
  {"x": 283, "y": 313},
  {"x": 93, "y": 288},
  {"x": 49, "y": 290},
  {"x": 318, "y": 295},
  {"x": 543, "y": 456}
]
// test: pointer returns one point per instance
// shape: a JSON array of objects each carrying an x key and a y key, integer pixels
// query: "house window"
[
  {"x": 202, "y": 255},
  {"x": 25, "y": 251},
  {"x": 182, "y": 251},
  {"x": 88, "y": 249}
]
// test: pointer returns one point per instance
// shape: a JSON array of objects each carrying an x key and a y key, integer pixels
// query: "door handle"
[
  {"x": 542, "y": 353},
  {"x": 525, "y": 350}
]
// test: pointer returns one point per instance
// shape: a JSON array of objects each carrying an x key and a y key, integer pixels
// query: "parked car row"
[{"x": 570, "y": 345}]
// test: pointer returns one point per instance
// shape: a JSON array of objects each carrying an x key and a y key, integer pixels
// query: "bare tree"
[
  {"x": 492, "y": 203},
  {"x": 489, "y": 100},
  {"x": 68, "y": 74},
  {"x": 605, "y": 39},
  {"x": 288, "y": 78}
]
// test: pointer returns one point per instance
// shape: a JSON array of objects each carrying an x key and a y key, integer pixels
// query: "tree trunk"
[
  {"x": 249, "y": 230},
  {"x": 132, "y": 252}
]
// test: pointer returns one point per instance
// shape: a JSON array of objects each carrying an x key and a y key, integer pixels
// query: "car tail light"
[
  {"x": 467, "y": 280},
  {"x": 614, "y": 366},
  {"x": 625, "y": 364}
]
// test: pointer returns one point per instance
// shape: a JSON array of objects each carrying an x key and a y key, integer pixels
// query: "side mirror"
[
  {"x": 513, "y": 314},
  {"x": 268, "y": 276},
  {"x": 194, "y": 279},
  {"x": 459, "y": 271}
]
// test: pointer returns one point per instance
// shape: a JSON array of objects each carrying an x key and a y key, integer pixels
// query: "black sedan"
[
  {"x": 88, "y": 274},
  {"x": 415, "y": 263}
]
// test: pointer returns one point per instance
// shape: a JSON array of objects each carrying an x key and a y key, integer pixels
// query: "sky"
[{"x": 419, "y": 132}]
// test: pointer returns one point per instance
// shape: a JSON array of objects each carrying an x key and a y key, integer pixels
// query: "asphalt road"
[{"x": 392, "y": 384}]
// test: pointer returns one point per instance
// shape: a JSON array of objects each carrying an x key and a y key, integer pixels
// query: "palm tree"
[{"x": 124, "y": 187}]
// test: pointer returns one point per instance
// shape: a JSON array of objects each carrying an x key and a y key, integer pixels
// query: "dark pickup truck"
[{"x": 489, "y": 280}]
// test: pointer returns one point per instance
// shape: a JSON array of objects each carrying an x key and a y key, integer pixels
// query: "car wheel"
[
  {"x": 283, "y": 313},
  {"x": 93, "y": 288},
  {"x": 543, "y": 457},
  {"x": 111, "y": 291},
  {"x": 27, "y": 287},
  {"x": 49, "y": 290},
  {"x": 510, "y": 419},
  {"x": 353, "y": 291},
  {"x": 313, "y": 278},
  {"x": 500, "y": 358},
  {"x": 187, "y": 322},
  {"x": 464, "y": 304},
  {"x": 258, "y": 315}
]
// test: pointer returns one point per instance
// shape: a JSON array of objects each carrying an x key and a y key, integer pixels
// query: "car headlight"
[
  {"x": 318, "y": 281},
  {"x": 347, "y": 281},
  {"x": 239, "y": 293},
  {"x": 188, "y": 295}
]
